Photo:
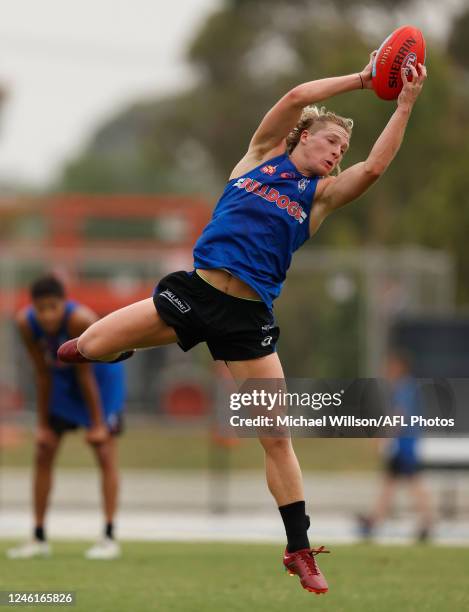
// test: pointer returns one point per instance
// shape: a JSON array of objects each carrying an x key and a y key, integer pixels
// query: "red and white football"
[{"x": 404, "y": 47}]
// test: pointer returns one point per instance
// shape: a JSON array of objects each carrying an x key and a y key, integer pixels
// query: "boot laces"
[{"x": 308, "y": 556}]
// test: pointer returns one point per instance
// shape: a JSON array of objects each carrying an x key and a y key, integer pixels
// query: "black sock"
[
  {"x": 109, "y": 530},
  {"x": 39, "y": 534},
  {"x": 296, "y": 523}
]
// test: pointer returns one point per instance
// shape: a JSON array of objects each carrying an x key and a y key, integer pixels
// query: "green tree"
[{"x": 458, "y": 41}]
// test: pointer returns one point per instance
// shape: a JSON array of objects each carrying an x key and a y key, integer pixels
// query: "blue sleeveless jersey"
[
  {"x": 66, "y": 398},
  {"x": 259, "y": 221}
]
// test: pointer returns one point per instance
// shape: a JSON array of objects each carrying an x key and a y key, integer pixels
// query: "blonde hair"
[{"x": 312, "y": 116}]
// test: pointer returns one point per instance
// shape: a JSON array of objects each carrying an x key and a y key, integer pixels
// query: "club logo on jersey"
[
  {"x": 272, "y": 195},
  {"x": 287, "y": 175},
  {"x": 175, "y": 301},
  {"x": 270, "y": 170},
  {"x": 302, "y": 184}
]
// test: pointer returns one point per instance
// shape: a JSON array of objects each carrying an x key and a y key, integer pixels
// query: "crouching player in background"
[{"x": 69, "y": 397}]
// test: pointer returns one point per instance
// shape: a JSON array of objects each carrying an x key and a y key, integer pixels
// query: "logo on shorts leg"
[
  {"x": 267, "y": 340},
  {"x": 181, "y": 305}
]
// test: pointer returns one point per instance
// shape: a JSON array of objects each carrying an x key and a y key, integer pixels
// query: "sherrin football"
[{"x": 404, "y": 47}]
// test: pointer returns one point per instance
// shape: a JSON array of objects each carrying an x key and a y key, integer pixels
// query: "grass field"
[
  {"x": 246, "y": 577},
  {"x": 189, "y": 448}
]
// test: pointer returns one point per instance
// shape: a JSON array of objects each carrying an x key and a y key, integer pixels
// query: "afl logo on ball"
[{"x": 409, "y": 60}]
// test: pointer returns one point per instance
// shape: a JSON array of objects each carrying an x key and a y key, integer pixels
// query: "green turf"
[
  {"x": 185, "y": 448},
  {"x": 246, "y": 577}
]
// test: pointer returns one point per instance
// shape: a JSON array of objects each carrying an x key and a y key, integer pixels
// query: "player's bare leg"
[
  {"x": 368, "y": 523},
  {"x": 384, "y": 500},
  {"x": 423, "y": 506},
  {"x": 285, "y": 482},
  {"x": 132, "y": 327},
  {"x": 43, "y": 465},
  {"x": 283, "y": 472},
  {"x": 44, "y": 458},
  {"x": 106, "y": 456}
]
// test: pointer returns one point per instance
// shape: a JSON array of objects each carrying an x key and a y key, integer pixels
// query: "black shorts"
[
  {"x": 59, "y": 425},
  {"x": 235, "y": 329},
  {"x": 398, "y": 467}
]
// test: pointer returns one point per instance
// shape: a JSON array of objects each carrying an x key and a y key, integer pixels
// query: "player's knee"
[
  {"x": 44, "y": 455},
  {"x": 276, "y": 446}
]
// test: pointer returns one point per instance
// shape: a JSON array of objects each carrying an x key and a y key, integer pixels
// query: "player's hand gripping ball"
[{"x": 404, "y": 48}]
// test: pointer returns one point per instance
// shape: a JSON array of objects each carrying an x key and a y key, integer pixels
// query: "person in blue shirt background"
[
  {"x": 401, "y": 453},
  {"x": 69, "y": 397}
]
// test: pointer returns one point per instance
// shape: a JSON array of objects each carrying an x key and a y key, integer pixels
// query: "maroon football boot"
[
  {"x": 69, "y": 353},
  {"x": 303, "y": 564}
]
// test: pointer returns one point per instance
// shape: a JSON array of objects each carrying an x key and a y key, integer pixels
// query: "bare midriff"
[{"x": 224, "y": 281}]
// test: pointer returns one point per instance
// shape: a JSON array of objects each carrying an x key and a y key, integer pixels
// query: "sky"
[{"x": 68, "y": 65}]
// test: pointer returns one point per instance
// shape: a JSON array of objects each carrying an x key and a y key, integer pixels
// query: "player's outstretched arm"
[
  {"x": 269, "y": 138},
  {"x": 43, "y": 379},
  {"x": 353, "y": 182},
  {"x": 282, "y": 118}
]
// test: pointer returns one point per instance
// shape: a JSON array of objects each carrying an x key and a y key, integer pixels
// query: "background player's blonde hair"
[{"x": 314, "y": 116}]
